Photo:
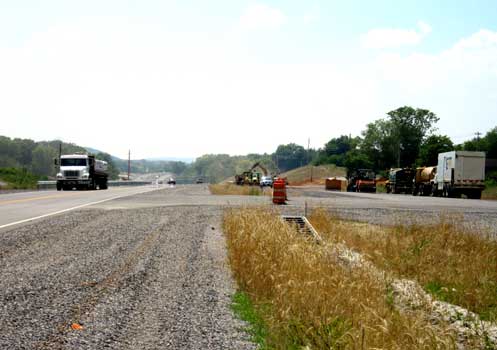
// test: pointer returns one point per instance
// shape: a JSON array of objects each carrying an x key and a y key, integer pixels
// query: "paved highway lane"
[{"x": 16, "y": 208}]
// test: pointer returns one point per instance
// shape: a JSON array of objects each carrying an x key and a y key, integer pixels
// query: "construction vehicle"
[
  {"x": 400, "y": 180},
  {"x": 251, "y": 177},
  {"x": 458, "y": 173},
  {"x": 361, "y": 180},
  {"x": 424, "y": 180},
  {"x": 81, "y": 171}
]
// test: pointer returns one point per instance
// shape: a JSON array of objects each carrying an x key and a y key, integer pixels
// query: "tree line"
[{"x": 405, "y": 137}]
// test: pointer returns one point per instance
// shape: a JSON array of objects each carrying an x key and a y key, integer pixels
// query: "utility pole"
[
  {"x": 308, "y": 155},
  {"x": 129, "y": 162},
  {"x": 60, "y": 150},
  {"x": 478, "y": 134}
]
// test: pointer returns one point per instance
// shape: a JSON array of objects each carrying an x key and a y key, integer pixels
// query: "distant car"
[
  {"x": 171, "y": 181},
  {"x": 199, "y": 181},
  {"x": 266, "y": 181}
]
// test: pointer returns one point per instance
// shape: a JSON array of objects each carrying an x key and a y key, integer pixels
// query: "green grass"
[
  {"x": 490, "y": 191},
  {"x": 18, "y": 178},
  {"x": 244, "y": 309}
]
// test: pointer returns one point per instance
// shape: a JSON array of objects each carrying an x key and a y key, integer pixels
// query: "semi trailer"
[
  {"x": 81, "y": 171},
  {"x": 458, "y": 173}
]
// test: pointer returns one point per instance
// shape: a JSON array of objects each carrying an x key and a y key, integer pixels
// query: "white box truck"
[
  {"x": 81, "y": 171},
  {"x": 460, "y": 172}
]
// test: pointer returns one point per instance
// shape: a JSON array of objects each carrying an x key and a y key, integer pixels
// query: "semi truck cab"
[{"x": 81, "y": 171}]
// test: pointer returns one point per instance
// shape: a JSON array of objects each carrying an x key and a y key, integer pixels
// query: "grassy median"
[
  {"x": 452, "y": 264},
  {"x": 304, "y": 299},
  {"x": 232, "y": 189}
]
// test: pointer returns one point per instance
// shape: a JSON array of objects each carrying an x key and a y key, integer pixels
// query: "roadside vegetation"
[
  {"x": 302, "y": 175},
  {"x": 404, "y": 137},
  {"x": 450, "y": 263},
  {"x": 490, "y": 191},
  {"x": 232, "y": 189},
  {"x": 305, "y": 299},
  {"x": 17, "y": 178}
]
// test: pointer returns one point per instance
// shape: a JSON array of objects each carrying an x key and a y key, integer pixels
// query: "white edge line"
[{"x": 73, "y": 208}]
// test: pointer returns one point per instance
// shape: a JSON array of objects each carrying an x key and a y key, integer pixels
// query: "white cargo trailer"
[{"x": 460, "y": 172}]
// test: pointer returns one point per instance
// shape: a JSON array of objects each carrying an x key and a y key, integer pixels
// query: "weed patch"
[
  {"x": 245, "y": 310},
  {"x": 312, "y": 300},
  {"x": 452, "y": 264},
  {"x": 232, "y": 189},
  {"x": 18, "y": 178}
]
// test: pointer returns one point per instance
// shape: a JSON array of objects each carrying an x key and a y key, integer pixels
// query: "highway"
[
  {"x": 145, "y": 267},
  {"x": 20, "y": 207}
]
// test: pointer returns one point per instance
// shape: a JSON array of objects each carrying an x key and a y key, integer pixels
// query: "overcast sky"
[{"x": 186, "y": 78}]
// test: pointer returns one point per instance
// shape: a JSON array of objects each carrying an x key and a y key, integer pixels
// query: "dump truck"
[
  {"x": 362, "y": 180},
  {"x": 424, "y": 180},
  {"x": 400, "y": 180},
  {"x": 460, "y": 172},
  {"x": 81, "y": 171}
]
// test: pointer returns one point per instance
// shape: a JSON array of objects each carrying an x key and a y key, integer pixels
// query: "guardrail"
[{"x": 47, "y": 185}]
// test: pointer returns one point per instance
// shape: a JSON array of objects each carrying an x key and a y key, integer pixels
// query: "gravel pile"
[{"x": 149, "y": 278}]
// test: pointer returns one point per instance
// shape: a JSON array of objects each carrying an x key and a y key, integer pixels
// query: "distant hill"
[
  {"x": 94, "y": 151},
  {"x": 302, "y": 175},
  {"x": 187, "y": 160}
]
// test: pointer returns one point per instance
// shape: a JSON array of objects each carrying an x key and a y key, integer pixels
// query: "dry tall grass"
[
  {"x": 232, "y": 189},
  {"x": 308, "y": 300},
  {"x": 452, "y": 264},
  {"x": 302, "y": 175}
]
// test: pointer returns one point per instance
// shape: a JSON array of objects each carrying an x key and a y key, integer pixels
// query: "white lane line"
[{"x": 76, "y": 207}]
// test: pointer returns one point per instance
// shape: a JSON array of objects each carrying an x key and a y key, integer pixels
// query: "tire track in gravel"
[
  {"x": 173, "y": 299},
  {"x": 99, "y": 291},
  {"x": 148, "y": 277},
  {"x": 55, "y": 271}
]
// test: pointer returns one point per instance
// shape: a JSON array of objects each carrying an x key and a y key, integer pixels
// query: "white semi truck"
[
  {"x": 460, "y": 172},
  {"x": 81, "y": 171}
]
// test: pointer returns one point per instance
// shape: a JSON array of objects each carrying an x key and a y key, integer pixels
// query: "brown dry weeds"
[
  {"x": 308, "y": 300},
  {"x": 232, "y": 189},
  {"x": 454, "y": 265}
]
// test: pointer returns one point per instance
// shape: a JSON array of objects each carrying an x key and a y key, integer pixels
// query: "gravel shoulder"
[
  {"x": 148, "y": 271},
  {"x": 145, "y": 278}
]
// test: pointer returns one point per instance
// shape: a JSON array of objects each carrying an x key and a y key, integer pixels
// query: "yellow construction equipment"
[{"x": 251, "y": 177}]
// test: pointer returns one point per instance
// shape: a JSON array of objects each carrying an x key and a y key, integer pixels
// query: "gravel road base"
[{"x": 148, "y": 278}]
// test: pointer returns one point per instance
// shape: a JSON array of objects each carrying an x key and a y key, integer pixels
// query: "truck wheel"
[
  {"x": 59, "y": 187},
  {"x": 475, "y": 194},
  {"x": 103, "y": 185},
  {"x": 434, "y": 191},
  {"x": 426, "y": 191}
]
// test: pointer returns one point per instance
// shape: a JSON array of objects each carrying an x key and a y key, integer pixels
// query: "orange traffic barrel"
[{"x": 279, "y": 191}]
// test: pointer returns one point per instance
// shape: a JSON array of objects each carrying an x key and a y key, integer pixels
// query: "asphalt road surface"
[
  {"x": 145, "y": 268},
  {"x": 18, "y": 207}
]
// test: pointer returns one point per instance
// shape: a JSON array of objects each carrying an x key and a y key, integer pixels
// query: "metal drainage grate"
[{"x": 302, "y": 224}]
